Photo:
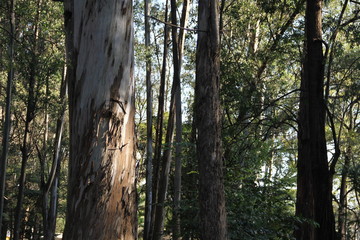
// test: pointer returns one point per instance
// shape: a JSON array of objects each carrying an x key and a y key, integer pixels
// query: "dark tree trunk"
[
  {"x": 208, "y": 123},
  {"x": 7, "y": 124},
  {"x": 166, "y": 158},
  {"x": 149, "y": 141},
  {"x": 25, "y": 148},
  {"x": 102, "y": 192},
  {"x": 314, "y": 181},
  {"x": 342, "y": 217},
  {"x": 159, "y": 125},
  {"x": 30, "y": 114},
  {"x": 165, "y": 169}
]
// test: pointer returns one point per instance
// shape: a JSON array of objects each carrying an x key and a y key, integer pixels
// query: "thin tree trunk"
[
  {"x": 165, "y": 169},
  {"x": 43, "y": 159},
  {"x": 208, "y": 123},
  {"x": 50, "y": 187},
  {"x": 178, "y": 52},
  {"x": 159, "y": 124},
  {"x": 102, "y": 191},
  {"x": 314, "y": 181},
  {"x": 7, "y": 124},
  {"x": 149, "y": 141},
  {"x": 342, "y": 217},
  {"x": 25, "y": 148}
]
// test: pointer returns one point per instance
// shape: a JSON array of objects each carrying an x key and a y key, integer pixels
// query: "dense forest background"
[{"x": 262, "y": 51}]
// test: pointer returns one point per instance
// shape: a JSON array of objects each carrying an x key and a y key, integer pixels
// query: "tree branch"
[{"x": 173, "y": 25}]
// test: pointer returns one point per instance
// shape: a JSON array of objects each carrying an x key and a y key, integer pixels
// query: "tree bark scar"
[
  {"x": 109, "y": 51},
  {"x": 128, "y": 30},
  {"x": 106, "y": 42},
  {"x": 120, "y": 104},
  {"x": 123, "y": 8}
]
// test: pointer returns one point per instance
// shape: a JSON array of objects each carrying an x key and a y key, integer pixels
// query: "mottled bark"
[
  {"x": 208, "y": 123},
  {"x": 102, "y": 192},
  {"x": 314, "y": 181}
]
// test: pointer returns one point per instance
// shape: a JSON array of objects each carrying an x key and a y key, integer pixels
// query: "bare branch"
[{"x": 173, "y": 25}]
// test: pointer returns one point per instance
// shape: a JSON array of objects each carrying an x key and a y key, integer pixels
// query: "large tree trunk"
[
  {"x": 102, "y": 192},
  {"x": 208, "y": 123},
  {"x": 7, "y": 124},
  {"x": 314, "y": 196}
]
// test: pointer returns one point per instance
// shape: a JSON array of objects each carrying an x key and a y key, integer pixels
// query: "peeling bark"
[{"x": 102, "y": 191}]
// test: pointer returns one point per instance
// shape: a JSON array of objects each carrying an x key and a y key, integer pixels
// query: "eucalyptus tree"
[
  {"x": 208, "y": 124},
  {"x": 102, "y": 192},
  {"x": 314, "y": 180},
  {"x": 160, "y": 122},
  {"x": 149, "y": 125}
]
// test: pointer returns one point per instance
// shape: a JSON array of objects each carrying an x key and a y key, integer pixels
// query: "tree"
[
  {"x": 102, "y": 193},
  {"x": 159, "y": 125},
  {"x": 314, "y": 180},
  {"x": 149, "y": 126},
  {"x": 208, "y": 124},
  {"x": 6, "y": 131},
  {"x": 30, "y": 114}
]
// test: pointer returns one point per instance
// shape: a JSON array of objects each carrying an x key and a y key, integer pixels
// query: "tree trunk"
[
  {"x": 25, "y": 148},
  {"x": 165, "y": 169},
  {"x": 342, "y": 217},
  {"x": 159, "y": 124},
  {"x": 149, "y": 140},
  {"x": 314, "y": 181},
  {"x": 7, "y": 124},
  {"x": 178, "y": 121},
  {"x": 208, "y": 123},
  {"x": 178, "y": 53},
  {"x": 102, "y": 191},
  {"x": 50, "y": 188}
]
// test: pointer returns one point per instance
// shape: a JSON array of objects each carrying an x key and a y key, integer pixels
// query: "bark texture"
[
  {"x": 208, "y": 123},
  {"x": 314, "y": 181},
  {"x": 102, "y": 193}
]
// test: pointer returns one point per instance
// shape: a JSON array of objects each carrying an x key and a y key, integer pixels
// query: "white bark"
[{"x": 102, "y": 194}]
